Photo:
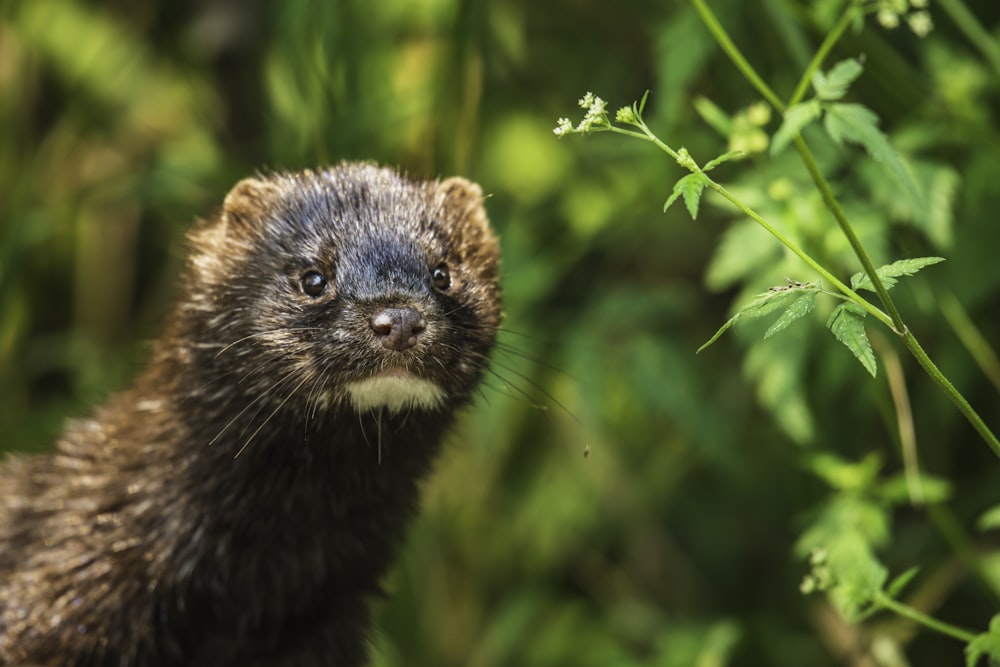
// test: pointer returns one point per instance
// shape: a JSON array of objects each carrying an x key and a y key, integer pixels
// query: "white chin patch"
[{"x": 394, "y": 393}]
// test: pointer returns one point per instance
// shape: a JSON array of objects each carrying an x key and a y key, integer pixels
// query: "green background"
[{"x": 672, "y": 542}]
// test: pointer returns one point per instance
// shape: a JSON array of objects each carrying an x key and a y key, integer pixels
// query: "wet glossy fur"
[{"x": 233, "y": 507}]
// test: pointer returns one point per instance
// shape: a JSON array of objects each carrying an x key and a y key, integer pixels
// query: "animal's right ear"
[{"x": 248, "y": 199}]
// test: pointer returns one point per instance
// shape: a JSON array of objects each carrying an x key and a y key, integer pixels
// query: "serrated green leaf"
[
  {"x": 890, "y": 272},
  {"x": 835, "y": 83},
  {"x": 718, "y": 334},
  {"x": 692, "y": 186},
  {"x": 797, "y": 117},
  {"x": 767, "y": 303},
  {"x": 897, "y": 585},
  {"x": 725, "y": 157},
  {"x": 762, "y": 305},
  {"x": 847, "y": 322},
  {"x": 799, "y": 307},
  {"x": 857, "y": 124},
  {"x": 986, "y": 645},
  {"x": 674, "y": 196}
]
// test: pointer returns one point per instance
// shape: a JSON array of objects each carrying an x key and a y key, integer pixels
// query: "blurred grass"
[{"x": 672, "y": 542}]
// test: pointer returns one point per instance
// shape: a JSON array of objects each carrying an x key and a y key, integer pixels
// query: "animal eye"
[
  {"x": 441, "y": 277},
  {"x": 313, "y": 283}
]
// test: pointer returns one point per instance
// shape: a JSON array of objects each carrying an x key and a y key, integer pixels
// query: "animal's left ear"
[
  {"x": 463, "y": 199},
  {"x": 249, "y": 199},
  {"x": 472, "y": 241}
]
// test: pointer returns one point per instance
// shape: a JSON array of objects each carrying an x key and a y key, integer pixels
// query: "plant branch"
[
  {"x": 648, "y": 135},
  {"x": 802, "y": 254},
  {"x": 895, "y": 320},
  {"x": 722, "y": 37},
  {"x": 949, "y": 389},
  {"x": 833, "y": 205},
  {"x": 906, "y": 611},
  {"x": 824, "y": 49}
]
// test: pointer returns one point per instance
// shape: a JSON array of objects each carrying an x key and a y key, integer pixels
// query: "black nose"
[{"x": 398, "y": 327}]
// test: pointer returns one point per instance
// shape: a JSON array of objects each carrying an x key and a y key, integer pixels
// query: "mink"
[{"x": 240, "y": 502}]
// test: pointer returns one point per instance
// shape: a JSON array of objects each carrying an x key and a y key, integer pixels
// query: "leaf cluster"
[
  {"x": 122, "y": 127},
  {"x": 847, "y": 535},
  {"x": 848, "y": 530},
  {"x": 844, "y": 122}
]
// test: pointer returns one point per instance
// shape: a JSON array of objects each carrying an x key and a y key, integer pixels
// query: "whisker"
[
  {"x": 264, "y": 333},
  {"x": 512, "y": 352},
  {"x": 271, "y": 416},
  {"x": 514, "y": 332},
  {"x": 364, "y": 434},
  {"x": 535, "y": 385},
  {"x": 313, "y": 399},
  {"x": 506, "y": 388},
  {"x": 230, "y": 373},
  {"x": 256, "y": 399}
]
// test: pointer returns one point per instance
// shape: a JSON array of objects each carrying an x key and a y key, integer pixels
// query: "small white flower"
[
  {"x": 596, "y": 113},
  {"x": 597, "y": 107},
  {"x": 563, "y": 126},
  {"x": 586, "y": 101}
]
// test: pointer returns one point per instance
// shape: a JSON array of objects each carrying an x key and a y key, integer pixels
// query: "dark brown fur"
[{"x": 234, "y": 506}]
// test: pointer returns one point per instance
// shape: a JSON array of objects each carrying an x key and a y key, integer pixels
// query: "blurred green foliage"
[{"x": 684, "y": 534}]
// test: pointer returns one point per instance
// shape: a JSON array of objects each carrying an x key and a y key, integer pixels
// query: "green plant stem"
[
  {"x": 802, "y": 254},
  {"x": 647, "y": 135},
  {"x": 906, "y": 611},
  {"x": 895, "y": 319},
  {"x": 833, "y": 205},
  {"x": 949, "y": 389},
  {"x": 722, "y": 37},
  {"x": 832, "y": 38},
  {"x": 974, "y": 31}
]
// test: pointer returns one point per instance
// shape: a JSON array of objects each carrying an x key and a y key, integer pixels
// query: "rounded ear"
[
  {"x": 473, "y": 240},
  {"x": 249, "y": 198},
  {"x": 241, "y": 210},
  {"x": 464, "y": 200},
  {"x": 461, "y": 194}
]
